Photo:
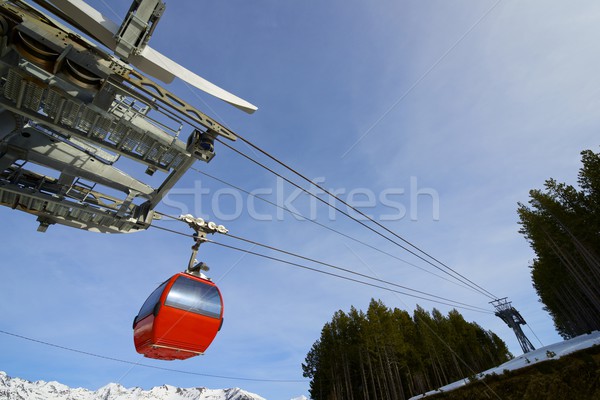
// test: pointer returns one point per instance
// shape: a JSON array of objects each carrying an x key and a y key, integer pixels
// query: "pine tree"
[{"x": 562, "y": 225}]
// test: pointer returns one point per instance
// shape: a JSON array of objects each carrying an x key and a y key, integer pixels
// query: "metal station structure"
[{"x": 75, "y": 116}]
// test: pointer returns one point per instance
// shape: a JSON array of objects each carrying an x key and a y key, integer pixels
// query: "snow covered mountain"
[{"x": 20, "y": 389}]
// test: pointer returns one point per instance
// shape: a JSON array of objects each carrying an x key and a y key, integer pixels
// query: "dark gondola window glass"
[
  {"x": 151, "y": 301},
  {"x": 194, "y": 296}
]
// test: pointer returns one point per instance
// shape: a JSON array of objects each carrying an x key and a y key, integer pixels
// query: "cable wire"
[
  {"x": 304, "y": 218},
  {"x": 536, "y": 336},
  {"x": 457, "y": 275},
  {"x": 345, "y": 269},
  {"x": 255, "y": 243},
  {"x": 449, "y": 302},
  {"x": 87, "y": 353}
]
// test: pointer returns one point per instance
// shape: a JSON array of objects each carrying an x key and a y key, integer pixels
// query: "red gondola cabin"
[{"x": 179, "y": 319}]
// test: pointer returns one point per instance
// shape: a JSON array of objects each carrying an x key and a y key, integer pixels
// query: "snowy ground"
[{"x": 553, "y": 352}]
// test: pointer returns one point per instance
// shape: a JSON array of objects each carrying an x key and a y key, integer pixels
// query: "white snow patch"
[{"x": 551, "y": 352}]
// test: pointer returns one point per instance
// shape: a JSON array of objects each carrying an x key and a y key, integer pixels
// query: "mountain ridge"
[{"x": 21, "y": 389}]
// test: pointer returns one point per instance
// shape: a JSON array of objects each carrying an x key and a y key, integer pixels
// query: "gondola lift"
[
  {"x": 181, "y": 318},
  {"x": 77, "y": 106}
]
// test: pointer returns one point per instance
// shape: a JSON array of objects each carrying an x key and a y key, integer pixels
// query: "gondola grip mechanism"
[{"x": 201, "y": 229}]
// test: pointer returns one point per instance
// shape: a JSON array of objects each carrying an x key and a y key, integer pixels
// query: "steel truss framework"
[
  {"x": 76, "y": 111},
  {"x": 514, "y": 320}
]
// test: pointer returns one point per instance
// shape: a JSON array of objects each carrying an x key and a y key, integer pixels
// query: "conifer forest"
[{"x": 389, "y": 354}]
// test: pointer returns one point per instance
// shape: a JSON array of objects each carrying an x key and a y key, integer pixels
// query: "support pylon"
[{"x": 514, "y": 320}]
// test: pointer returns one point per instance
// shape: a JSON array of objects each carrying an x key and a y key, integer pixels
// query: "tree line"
[
  {"x": 562, "y": 225},
  {"x": 388, "y": 354}
]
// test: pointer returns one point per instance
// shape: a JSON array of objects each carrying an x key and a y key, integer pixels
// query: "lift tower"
[{"x": 514, "y": 320}]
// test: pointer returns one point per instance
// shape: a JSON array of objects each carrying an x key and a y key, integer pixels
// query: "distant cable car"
[{"x": 180, "y": 318}]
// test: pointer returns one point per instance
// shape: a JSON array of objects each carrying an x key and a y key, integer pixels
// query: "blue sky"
[{"x": 472, "y": 121}]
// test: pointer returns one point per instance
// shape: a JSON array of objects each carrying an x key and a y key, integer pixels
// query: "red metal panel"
[{"x": 175, "y": 333}]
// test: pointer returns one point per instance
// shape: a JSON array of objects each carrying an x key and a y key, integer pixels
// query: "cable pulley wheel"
[
  {"x": 34, "y": 51},
  {"x": 81, "y": 76}
]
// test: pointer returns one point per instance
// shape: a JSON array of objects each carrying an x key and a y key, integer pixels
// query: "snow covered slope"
[
  {"x": 551, "y": 352},
  {"x": 19, "y": 389}
]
